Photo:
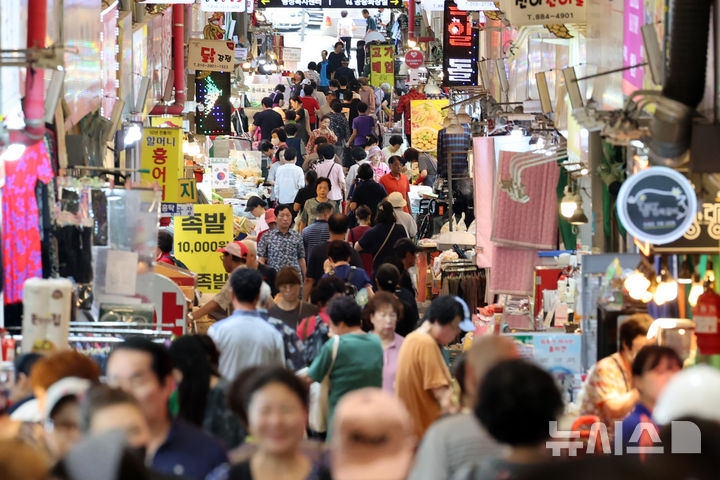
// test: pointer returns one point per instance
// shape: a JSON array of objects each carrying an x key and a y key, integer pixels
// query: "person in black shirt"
[
  {"x": 338, "y": 225},
  {"x": 367, "y": 191},
  {"x": 335, "y": 58},
  {"x": 405, "y": 251},
  {"x": 379, "y": 240},
  {"x": 307, "y": 192},
  {"x": 344, "y": 72},
  {"x": 267, "y": 120},
  {"x": 386, "y": 280}
]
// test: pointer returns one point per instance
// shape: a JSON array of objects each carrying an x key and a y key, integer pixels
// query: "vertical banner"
[
  {"x": 212, "y": 98},
  {"x": 634, "y": 19},
  {"x": 162, "y": 157},
  {"x": 427, "y": 120},
  {"x": 460, "y": 48},
  {"x": 197, "y": 239},
  {"x": 382, "y": 65}
]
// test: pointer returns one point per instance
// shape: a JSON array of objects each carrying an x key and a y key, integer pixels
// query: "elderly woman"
[
  {"x": 288, "y": 306},
  {"x": 322, "y": 131}
]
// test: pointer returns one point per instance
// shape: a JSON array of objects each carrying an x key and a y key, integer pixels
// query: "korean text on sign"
[
  {"x": 382, "y": 65},
  {"x": 197, "y": 239},
  {"x": 162, "y": 157},
  {"x": 211, "y": 55}
]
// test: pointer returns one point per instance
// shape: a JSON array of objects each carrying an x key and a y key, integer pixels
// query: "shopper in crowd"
[
  {"x": 202, "y": 394},
  {"x": 423, "y": 381},
  {"x": 358, "y": 156},
  {"x": 367, "y": 191},
  {"x": 278, "y": 138},
  {"x": 163, "y": 252},
  {"x": 298, "y": 82},
  {"x": 266, "y": 120},
  {"x": 283, "y": 246},
  {"x": 21, "y": 461},
  {"x": 372, "y": 437},
  {"x": 311, "y": 105},
  {"x": 312, "y": 159},
  {"x": 395, "y": 147},
  {"x": 105, "y": 408},
  {"x": 288, "y": 306},
  {"x": 426, "y": 166},
  {"x": 273, "y": 403},
  {"x": 143, "y": 368},
  {"x": 335, "y": 58},
  {"x": 344, "y": 73},
  {"x": 256, "y": 207},
  {"x": 293, "y": 347},
  {"x": 302, "y": 119},
  {"x": 251, "y": 261},
  {"x": 244, "y": 339},
  {"x": 289, "y": 115},
  {"x": 267, "y": 151},
  {"x": 370, "y": 21},
  {"x": 401, "y": 216},
  {"x": 311, "y": 73},
  {"x": 318, "y": 232},
  {"x": 339, "y": 127},
  {"x": 358, "y": 357},
  {"x": 322, "y": 68},
  {"x": 278, "y": 96},
  {"x": 367, "y": 94},
  {"x": 307, "y": 192},
  {"x": 339, "y": 256},
  {"x": 293, "y": 141},
  {"x": 397, "y": 182},
  {"x": 309, "y": 211},
  {"x": 338, "y": 225},
  {"x": 21, "y": 390},
  {"x": 379, "y": 240},
  {"x": 608, "y": 391},
  {"x": 289, "y": 178},
  {"x": 324, "y": 131},
  {"x": 380, "y": 316},
  {"x": 362, "y": 126},
  {"x": 387, "y": 280},
  {"x": 405, "y": 258},
  {"x": 345, "y": 27},
  {"x": 460, "y": 439},
  {"x": 325, "y": 290},
  {"x": 517, "y": 401},
  {"x": 330, "y": 169},
  {"x": 363, "y": 215},
  {"x": 377, "y": 161},
  {"x": 62, "y": 415},
  {"x": 270, "y": 180},
  {"x": 652, "y": 369},
  {"x": 234, "y": 256}
]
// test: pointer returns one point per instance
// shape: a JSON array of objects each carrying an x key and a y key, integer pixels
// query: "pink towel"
[
  {"x": 483, "y": 175},
  {"x": 532, "y": 224},
  {"x": 512, "y": 271}
]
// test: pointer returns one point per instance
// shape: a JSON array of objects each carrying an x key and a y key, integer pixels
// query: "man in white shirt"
[
  {"x": 333, "y": 171},
  {"x": 245, "y": 339},
  {"x": 360, "y": 156},
  {"x": 345, "y": 27},
  {"x": 289, "y": 178},
  {"x": 395, "y": 147}
]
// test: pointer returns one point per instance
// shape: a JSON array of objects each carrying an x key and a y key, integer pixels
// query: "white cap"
[{"x": 694, "y": 392}]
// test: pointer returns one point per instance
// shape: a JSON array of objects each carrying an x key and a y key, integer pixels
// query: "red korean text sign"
[
  {"x": 162, "y": 157},
  {"x": 211, "y": 55}
]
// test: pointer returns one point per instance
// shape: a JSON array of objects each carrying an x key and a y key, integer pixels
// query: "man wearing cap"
[
  {"x": 256, "y": 206},
  {"x": 423, "y": 381},
  {"x": 401, "y": 216},
  {"x": 396, "y": 181}
]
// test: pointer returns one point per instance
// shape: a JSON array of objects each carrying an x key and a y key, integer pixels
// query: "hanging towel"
[
  {"x": 484, "y": 174},
  {"x": 512, "y": 271}
]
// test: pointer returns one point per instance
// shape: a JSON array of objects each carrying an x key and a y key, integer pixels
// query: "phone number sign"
[
  {"x": 211, "y": 55},
  {"x": 545, "y": 12}
]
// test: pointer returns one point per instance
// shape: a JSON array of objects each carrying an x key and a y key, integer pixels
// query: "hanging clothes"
[{"x": 20, "y": 224}]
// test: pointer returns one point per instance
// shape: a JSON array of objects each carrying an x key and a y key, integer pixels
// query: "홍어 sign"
[
  {"x": 162, "y": 157},
  {"x": 657, "y": 205},
  {"x": 211, "y": 55}
]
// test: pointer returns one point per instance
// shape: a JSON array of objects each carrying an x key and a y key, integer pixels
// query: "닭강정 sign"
[
  {"x": 162, "y": 155},
  {"x": 211, "y": 55},
  {"x": 197, "y": 239},
  {"x": 544, "y": 12}
]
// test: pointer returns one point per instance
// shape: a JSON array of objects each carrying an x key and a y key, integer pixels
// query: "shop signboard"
[
  {"x": 544, "y": 12},
  {"x": 110, "y": 66},
  {"x": 427, "y": 117},
  {"x": 382, "y": 65},
  {"x": 476, "y": 5},
  {"x": 634, "y": 19},
  {"x": 187, "y": 190},
  {"x": 168, "y": 2},
  {"x": 657, "y": 205},
  {"x": 177, "y": 210},
  {"x": 211, "y": 55},
  {"x": 330, "y": 3},
  {"x": 162, "y": 157},
  {"x": 197, "y": 239},
  {"x": 224, "y": 5},
  {"x": 414, "y": 59},
  {"x": 292, "y": 54},
  {"x": 166, "y": 121},
  {"x": 212, "y": 99},
  {"x": 460, "y": 48},
  {"x": 703, "y": 236}
]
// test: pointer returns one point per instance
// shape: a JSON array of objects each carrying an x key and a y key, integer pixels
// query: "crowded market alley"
[{"x": 359, "y": 239}]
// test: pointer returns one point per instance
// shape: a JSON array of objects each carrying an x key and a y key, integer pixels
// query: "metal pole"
[{"x": 302, "y": 28}]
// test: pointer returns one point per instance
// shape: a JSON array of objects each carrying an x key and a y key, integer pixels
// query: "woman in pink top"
[
  {"x": 377, "y": 161},
  {"x": 381, "y": 315}
]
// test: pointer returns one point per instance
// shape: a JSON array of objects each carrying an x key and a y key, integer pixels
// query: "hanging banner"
[
  {"x": 212, "y": 98},
  {"x": 162, "y": 156},
  {"x": 427, "y": 120},
  {"x": 634, "y": 19},
  {"x": 187, "y": 190},
  {"x": 224, "y": 5},
  {"x": 460, "y": 48},
  {"x": 382, "y": 65},
  {"x": 197, "y": 239},
  {"x": 211, "y": 55},
  {"x": 330, "y": 3},
  {"x": 544, "y": 12}
]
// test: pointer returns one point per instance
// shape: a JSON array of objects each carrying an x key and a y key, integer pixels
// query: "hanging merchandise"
[{"x": 47, "y": 306}]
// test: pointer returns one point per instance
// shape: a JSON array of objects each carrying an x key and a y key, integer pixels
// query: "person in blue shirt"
[
  {"x": 144, "y": 369},
  {"x": 322, "y": 68},
  {"x": 339, "y": 253},
  {"x": 652, "y": 369}
]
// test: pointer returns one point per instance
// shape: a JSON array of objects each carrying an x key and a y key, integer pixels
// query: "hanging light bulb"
[
  {"x": 412, "y": 43},
  {"x": 578, "y": 217},
  {"x": 696, "y": 290},
  {"x": 637, "y": 285},
  {"x": 667, "y": 289},
  {"x": 133, "y": 134},
  {"x": 569, "y": 204}
]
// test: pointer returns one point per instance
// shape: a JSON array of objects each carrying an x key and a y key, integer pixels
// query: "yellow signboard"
[
  {"x": 427, "y": 117},
  {"x": 162, "y": 156},
  {"x": 382, "y": 65},
  {"x": 166, "y": 121},
  {"x": 187, "y": 190},
  {"x": 197, "y": 240}
]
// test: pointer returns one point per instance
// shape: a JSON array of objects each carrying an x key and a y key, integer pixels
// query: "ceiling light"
[
  {"x": 133, "y": 134},
  {"x": 696, "y": 290},
  {"x": 13, "y": 152},
  {"x": 637, "y": 285},
  {"x": 667, "y": 289},
  {"x": 412, "y": 43},
  {"x": 579, "y": 217},
  {"x": 637, "y": 143},
  {"x": 569, "y": 204}
]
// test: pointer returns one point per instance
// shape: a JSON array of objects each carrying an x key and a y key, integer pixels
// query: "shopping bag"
[{"x": 320, "y": 396}]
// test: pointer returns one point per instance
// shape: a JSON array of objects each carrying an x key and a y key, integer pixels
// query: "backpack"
[
  {"x": 178, "y": 263},
  {"x": 314, "y": 343},
  {"x": 361, "y": 296}
]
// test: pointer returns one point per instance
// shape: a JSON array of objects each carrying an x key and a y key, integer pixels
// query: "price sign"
[
  {"x": 382, "y": 65},
  {"x": 414, "y": 59},
  {"x": 545, "y": 12},
  {"x": 162, "y": 156},
  {"x": 197, "y": 239},
  {"x": 211, "y": 55}
]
